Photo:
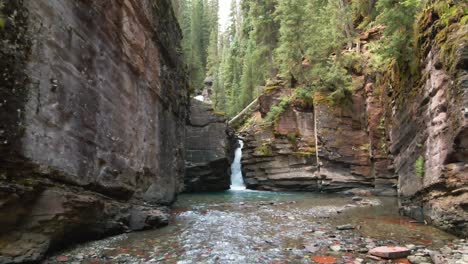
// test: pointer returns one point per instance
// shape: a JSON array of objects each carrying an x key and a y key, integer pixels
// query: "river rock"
[
  {"x": 335, "y": 248},
  {"x": 210, "y": 146},
  {"x": 345, "y": 227},
  {"x": 415, "y": 259},
  {"x": 390, "y": 252}
]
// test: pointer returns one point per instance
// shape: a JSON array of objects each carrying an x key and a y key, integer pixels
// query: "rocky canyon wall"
[
  {"x": 210, "y": 149},
  {"x": 93, "y": 109},
  {"x": 401, "y": 131},
  {"x": 429, "y": 125},
  {"x": 314, "y": 147}
]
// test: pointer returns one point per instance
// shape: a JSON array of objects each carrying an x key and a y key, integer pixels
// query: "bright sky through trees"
[{"x": 224, "y": 13}]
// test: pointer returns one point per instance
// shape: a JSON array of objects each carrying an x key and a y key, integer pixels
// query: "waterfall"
[{"x": 237, "y": 182}]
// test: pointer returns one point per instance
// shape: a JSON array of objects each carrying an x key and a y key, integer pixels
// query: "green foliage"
[
  {"x": 304, "y": 97},
  {"x": 2, "y": 21},
  {"x": 363, "y": 11},
  {"x": 278, "y": 109},
  {"x": 419, "y": 166},
  {"x": 450, "y": 11},
  {"x": 398, "y": 16},
  {"x": 292, "y": 17},
  {"x": 302, "y": 40},
  {"x": 353, "y": 62},
  {"x": 341, "y": 96},
  {"x": 198, "y": 20}
]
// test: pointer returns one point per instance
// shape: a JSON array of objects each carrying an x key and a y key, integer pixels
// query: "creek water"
[
  {"x": 244, "y": 226},
  {"x": 265, "y": 227}
]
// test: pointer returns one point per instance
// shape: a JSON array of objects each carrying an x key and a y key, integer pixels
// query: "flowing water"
[
  {"x": 237, "y": 182},
  {"x": 265, "y": 227},
  {"x": 242, "y": 226}
]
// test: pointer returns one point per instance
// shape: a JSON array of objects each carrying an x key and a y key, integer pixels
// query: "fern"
[{"x": 419, "y": 166}]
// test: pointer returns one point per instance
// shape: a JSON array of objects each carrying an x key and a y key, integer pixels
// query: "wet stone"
[{"x": 213, "y": 228}]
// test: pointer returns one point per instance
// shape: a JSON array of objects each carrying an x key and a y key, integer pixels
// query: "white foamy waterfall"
[{"x": 237, "y": 182}]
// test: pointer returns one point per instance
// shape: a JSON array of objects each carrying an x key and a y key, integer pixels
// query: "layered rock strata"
[
  {"x": 210, "y": 149},
  {"x": 316, "y": 148},
  {"x": 93, "y": 110},
  {"x": 406, "y": 127},
  {"x": 429, "y": 128}
]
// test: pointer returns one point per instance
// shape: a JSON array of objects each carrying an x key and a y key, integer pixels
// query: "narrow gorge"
[{"x": 202, "y": 131}]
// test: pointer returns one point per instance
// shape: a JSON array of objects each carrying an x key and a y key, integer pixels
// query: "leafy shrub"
[{"x": 304, "y": 97}]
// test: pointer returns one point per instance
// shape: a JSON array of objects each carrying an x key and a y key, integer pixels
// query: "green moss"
[
  {"x": 265, "y": 149},
  {"x": 305, "y": 151},
  {"x": 292, "y": 137},
  {"x": 219, "y": 113},
  {"x": 384, "y": 145},
  {"x": 2, "y": 21},
  {"x": 419, "y": 166},
  {"x": 382, "y": 124},
  {"x": 464, "y": 20},
  {"x": 449, "y": 12},
  {"x": 365, "y": 147},
  {"x": 270, "y": 89},
  {"x": 452, "y": 38}
]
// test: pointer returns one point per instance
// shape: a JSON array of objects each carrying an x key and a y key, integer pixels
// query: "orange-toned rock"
[
  {"x": 402, "y": 261},
  {"x": 390, "y": 252},
  {"x": 324, "y": 259}
]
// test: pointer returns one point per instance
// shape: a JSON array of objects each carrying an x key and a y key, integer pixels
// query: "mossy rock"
[
  {"x": 270, "y": 89},
  {"x": 264, "y": 150}
]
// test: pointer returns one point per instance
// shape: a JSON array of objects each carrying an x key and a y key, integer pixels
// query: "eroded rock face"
[
  {"x": 210, "y": 149},
  {"x": 93, "y": 112},
  {"x": 430, "y": 131},
  {"x": 283, "y": 156}
]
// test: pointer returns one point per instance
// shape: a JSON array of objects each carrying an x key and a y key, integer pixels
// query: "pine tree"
[
  {"x": 292, "y": 17},
  {"x": 197, "y": 19},
  {"x": 398, "y": 18}
]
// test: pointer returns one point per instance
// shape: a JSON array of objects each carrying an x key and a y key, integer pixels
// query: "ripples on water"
[{"x": 266, "y": 227}]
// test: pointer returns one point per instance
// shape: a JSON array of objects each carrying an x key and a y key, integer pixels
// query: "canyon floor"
[{"x": 266, "y": 227}]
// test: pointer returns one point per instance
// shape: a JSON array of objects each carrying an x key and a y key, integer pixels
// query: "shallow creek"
[{"x": 265, "y": 227}]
